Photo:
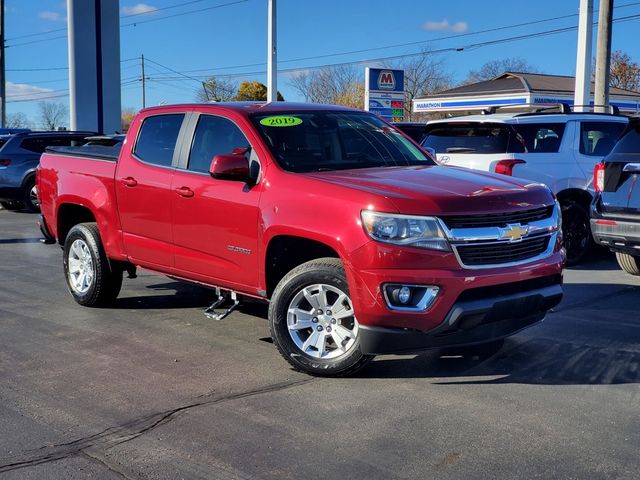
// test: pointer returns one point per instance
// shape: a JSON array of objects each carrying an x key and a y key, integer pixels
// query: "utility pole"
[
  {"x": 3, "y": 80},
  {"x": 582, "y": 94},
  {"x": 603, "y": 55},
  {"x": 272, "y": 73},
  {"x": 144, "y": 91}
]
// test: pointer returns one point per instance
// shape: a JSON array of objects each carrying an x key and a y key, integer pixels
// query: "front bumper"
[{"x": 469, "y": 322}]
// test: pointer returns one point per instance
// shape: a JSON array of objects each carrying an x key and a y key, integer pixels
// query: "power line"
[
  {"x": 401, "y": 56},
  {"x": 35, "y": 34},
  {"x": 184, "y": 13},
  {"x": 504, "y": 27},
  {"x": 188, "y": 12}
]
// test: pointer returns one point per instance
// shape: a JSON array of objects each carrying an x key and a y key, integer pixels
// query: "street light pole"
[
  {"x": 603, "y": 55},
  {"x": 272, "y": 74},
  {"x": 582, "y": 94},
  {"x": 3, "y": 80}
]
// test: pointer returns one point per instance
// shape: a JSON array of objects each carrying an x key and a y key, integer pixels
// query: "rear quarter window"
[
  {"x": 598, "y": 138},
  {"x": 157, "y": 139},
  {"x": 40, "y": 144}
]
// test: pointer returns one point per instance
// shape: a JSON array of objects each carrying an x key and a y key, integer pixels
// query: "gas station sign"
[{"x": 384, "y": 93}]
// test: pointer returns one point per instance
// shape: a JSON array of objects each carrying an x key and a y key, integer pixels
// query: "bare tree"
[
  {"x": 624, "y": 72},
  {"x": 52, "y": 115},
  {"x": 17, "y": 120},
  {"x": 126, "y": 117},
  {"x": 495, "y": 68},
  {"x": 217, "y": 90},
  {"x": 423, "y": 75},
  {"x": 341, "y": 85}
]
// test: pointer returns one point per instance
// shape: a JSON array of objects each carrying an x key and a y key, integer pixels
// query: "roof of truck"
[{"x": 262, "y": 107}]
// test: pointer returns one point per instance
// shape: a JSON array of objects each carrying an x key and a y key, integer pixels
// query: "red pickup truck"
[{"x": 359, "y": 241}]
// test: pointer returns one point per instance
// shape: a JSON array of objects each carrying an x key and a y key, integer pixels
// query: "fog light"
[
  {"x": 413, "y": 298},
  {"x": 404, "y": 295}
]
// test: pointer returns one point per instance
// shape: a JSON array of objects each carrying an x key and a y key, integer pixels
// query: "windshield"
[{"x": 324, "y": 140}]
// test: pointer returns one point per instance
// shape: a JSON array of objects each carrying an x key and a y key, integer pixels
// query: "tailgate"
[{"x": 621, "y": 193}]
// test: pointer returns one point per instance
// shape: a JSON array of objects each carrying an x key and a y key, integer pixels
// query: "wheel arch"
[
  {"x": 577, "y": 195},
  {"x": 285, "y": 252},
  {"x": 69, "y": 215}
]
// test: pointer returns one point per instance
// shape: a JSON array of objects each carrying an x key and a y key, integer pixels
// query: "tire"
[
  {"x": 30, "y": 197},
  {"x": 83, "y": 254},
  {"x": 628, "y": 263},
  {"x": 576, "y": 232},
  {"x": 329, "y": 346},
  {"x": 9, "y": 205}
]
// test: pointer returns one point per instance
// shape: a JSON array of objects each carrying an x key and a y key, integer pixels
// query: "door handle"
[
  {"x": 185, "y": 192},
  {"x": 631, "y": 167},
  {"x": 129, "y": 182}
]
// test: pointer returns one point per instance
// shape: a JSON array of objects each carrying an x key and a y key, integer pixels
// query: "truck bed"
[{"x": 97, "y": 152}]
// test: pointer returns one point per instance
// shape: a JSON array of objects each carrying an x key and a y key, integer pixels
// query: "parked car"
[
  {"x": 557, "y": 149},
  {"x": 414, "y": 130},
  {"x": 19, "y": 157},
  {"x": 361, "y": 243},
  {"x": 615, "y": 211}
]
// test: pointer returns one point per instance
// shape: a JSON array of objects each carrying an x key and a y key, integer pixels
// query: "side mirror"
[{"x": 230, "y": 167}]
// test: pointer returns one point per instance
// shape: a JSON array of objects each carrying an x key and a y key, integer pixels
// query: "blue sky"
[{"x": 195, "y": 39}]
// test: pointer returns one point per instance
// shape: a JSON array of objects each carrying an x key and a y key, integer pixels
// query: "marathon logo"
[{"x": 386, "y": 80}]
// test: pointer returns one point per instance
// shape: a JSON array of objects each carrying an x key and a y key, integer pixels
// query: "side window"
[
  {"x": 541, "y": 137},
  {"x": 157, "y": 139},
  {"x": 36, "y": 145},
  {"x": 214, "y": 136},
  {"x": 598, "y": 138}
]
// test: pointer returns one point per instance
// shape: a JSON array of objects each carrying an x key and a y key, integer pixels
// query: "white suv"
[{"x": 558, "y": 149}]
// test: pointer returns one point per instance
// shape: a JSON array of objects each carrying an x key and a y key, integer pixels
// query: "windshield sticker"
[{"x": 280, "y": 121}]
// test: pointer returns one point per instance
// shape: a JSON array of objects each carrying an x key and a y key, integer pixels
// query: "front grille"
[
  {"x": 498, "y": 253},
  {"x": 497, "y": 219}
]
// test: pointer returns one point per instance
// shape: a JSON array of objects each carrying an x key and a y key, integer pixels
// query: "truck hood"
[{"x": 433, "y": 190}]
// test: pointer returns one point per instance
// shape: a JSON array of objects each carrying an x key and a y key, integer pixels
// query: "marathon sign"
[{"x": 384, "y": 93}]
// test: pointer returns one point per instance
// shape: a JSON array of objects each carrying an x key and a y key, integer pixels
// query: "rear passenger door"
[
  {"x": 143, "y": 191},
  {"x": 215, "y": 222},
  {"x": 549, "y": 158}
]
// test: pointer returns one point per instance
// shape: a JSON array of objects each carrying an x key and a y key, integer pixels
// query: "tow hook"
[{"x": 223, "y": 297}]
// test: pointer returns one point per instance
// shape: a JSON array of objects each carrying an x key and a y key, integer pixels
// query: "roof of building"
[{"x": 519, "y": 82}]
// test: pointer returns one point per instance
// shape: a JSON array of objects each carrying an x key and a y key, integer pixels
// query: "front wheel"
[
  {"x": 90, "y": 279},
  {"x": 576, "y": 232},
  {"x": 628, "y": 263},
  {"x": 312, "y": 321}
]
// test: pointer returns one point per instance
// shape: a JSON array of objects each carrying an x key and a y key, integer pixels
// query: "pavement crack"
[
  {"x": 100, "y": 461},
  {"x": 126, "y": 432}
]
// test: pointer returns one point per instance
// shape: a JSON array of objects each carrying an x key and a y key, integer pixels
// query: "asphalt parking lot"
[{"x": 152, "y": 389}]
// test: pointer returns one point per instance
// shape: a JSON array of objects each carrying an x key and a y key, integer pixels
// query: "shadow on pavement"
[
  {"x": 4, "y": 241},
  {"x": 595, "y": 342}
]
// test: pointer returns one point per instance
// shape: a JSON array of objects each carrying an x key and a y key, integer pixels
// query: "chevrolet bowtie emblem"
[{"x": 514, "y": 232}]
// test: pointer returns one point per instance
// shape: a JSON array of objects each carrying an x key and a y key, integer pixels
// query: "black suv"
[{"x": 615, "y": 211}]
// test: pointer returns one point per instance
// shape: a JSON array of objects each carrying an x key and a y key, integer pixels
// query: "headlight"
[
  {"x": 558, "y": 212},
  {"x": 407, "y": 230}
]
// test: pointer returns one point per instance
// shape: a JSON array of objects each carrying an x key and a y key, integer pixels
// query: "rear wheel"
[
  {"x": 629, "y": 263},
  {"x": 312, "y": 321},
  {"x": 30, "y": 198},
  {"x": 576, "y": 231},
  {"x": 90, "y": 279}
]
